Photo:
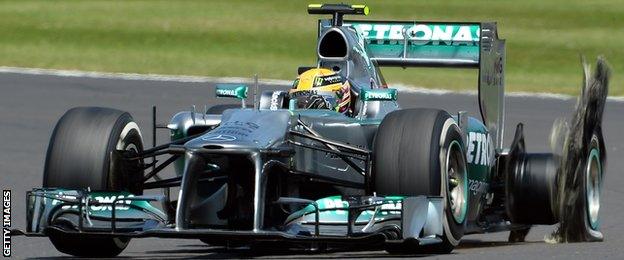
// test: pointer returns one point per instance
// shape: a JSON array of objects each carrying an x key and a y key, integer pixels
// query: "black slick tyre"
[
  {"x": 81, "y": 155},
  {"x": 589, "y": 199},
  {"x": 421, "y": 152}
]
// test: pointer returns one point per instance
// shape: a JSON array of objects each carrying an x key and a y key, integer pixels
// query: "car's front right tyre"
[{"x": 80, "y": 156}]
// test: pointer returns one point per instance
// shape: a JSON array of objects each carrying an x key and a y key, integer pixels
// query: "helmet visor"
[{"x": 314, "y": 99}]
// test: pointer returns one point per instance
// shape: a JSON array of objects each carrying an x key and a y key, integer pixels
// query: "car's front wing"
[{"x": 356, "y": 220}]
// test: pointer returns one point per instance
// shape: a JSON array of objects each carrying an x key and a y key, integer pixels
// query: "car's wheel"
[
  {"x": 81, "y": 155},
  {"x": 590, "y": 191},
  {"x": 421, "y": 152}
]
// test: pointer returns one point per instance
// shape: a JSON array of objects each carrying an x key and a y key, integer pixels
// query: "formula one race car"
[{"x": 332, "y": 162}]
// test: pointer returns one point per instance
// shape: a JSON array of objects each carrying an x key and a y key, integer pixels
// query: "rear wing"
[{"x": 442, "y": 44}]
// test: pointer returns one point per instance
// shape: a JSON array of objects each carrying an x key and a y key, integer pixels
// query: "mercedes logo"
[{"x": 219, "y": 138}]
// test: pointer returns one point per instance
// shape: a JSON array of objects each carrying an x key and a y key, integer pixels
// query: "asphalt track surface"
[{"x": 31, "y": 104}]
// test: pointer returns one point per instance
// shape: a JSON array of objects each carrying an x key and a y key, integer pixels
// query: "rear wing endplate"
[{"x": 442, "y": 44}]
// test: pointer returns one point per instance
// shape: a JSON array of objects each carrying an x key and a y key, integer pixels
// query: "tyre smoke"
[{"x": 570, "y": 140}]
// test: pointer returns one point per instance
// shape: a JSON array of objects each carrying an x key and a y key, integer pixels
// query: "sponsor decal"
[
  {"x": 327, "y": 80},
  {"x": 379, "y": 94},
  {"x": 318, "y": 81},
  {"x": 333, "y": 209},
  {"x": 417, "y": 40},
  {"x": 226, "y": 92},
  {"x": 100, "y": 199},
  {"x": 6, "y": 223},
  {"x": 420, "y": 34},
  {"x": 338, "y": 204},
  {"x": 219, "y": 138},
  {"x": 479, "y": 152},
  {"x": 477, "y": 186},
  {"x": 229, "y": 90},
  {"x": 333, "y": 204}
]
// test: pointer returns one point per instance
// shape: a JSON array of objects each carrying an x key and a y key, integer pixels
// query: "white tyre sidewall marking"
[
  {"x": 124, "y": 132},
  {"x": 450, "y": 122}
]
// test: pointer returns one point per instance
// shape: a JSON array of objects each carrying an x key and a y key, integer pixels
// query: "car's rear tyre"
[
  {"x": 81, "y": 155},
  {"x": 421, "y": 152},
  {"x": 589, "y": 201}
]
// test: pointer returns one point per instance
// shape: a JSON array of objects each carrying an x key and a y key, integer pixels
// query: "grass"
[{"x": 272, "y": 38}]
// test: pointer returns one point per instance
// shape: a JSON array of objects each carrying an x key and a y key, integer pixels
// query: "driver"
[{"x": 322, "y": 88}]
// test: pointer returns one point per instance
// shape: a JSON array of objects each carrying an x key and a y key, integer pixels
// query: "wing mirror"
[
  {"x": 378, "y": 94},
  {"x": 238, "y": 91}
]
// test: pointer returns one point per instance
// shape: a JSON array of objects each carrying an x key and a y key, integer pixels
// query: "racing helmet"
[{"x": 321, "y": 88}]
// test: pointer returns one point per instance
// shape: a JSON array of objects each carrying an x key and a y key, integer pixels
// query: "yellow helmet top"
[
  {"x": 321, "y": 88},
  {"x": 320, "y": 79}
]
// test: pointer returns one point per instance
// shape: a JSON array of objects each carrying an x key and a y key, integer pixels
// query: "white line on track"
[
  {"x": 541, "y": 95},
  {"x": 136, "y": 76},
  {"x": 201, "y": 79}
]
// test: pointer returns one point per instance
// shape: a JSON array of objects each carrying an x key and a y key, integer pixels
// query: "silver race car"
[{"x": 332, "y": 162}]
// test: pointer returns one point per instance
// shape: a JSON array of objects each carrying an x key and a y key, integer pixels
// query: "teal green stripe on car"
[
  {"x": 436, "y": 41},
  {"x": 333, "y": 210}
]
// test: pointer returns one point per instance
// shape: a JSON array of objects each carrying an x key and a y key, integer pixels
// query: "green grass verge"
[{"x": 272, "y": 38}]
